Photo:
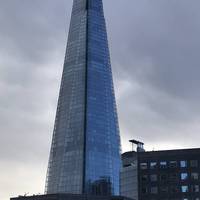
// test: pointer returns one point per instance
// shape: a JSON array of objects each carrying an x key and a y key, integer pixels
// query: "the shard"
[{"x": 85, "y": 150}]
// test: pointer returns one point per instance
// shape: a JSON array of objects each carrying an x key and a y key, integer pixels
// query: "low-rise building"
[{"x": 161, "y": 175}]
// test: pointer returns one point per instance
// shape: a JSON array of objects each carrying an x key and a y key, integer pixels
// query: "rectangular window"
[
  {"x": 153, "y": 177},
  {"x": 143, "y": 165},
  {"x": 173, "y": 164},
  {"x": 184, "y": 176},
  {"x": 154, "y": 190},
  {"x": 153, "y": 165},
  {"x": 193, "y": 163},
  {"x": 183, "y": 163},
  {"x": 144, "y": 190},
  {"x": 194, "y": 176},
  {"x": 184, "y": 189},
  {"x": 195, "y": 188},
  {"x": 163, "y": 164},
  {"x": 144, "y": 178}
]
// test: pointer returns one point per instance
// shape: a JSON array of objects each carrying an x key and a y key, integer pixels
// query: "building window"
[
  {"x": 143, "y": 165},
  {"x": 194, "y": 176},
  {"x": 173, "y": 164},
  {"x": 154, "y": 190},
  {"x": 184, "y": 189},
  {"x": 153, "y": 165},
  {"x": 195, "y": 188},
  {"x": 144, "y": 190},
  {"x": 163, "y": 164},
  {"x": 184, "y": 176},
  {"x": 183, "y": 163},
  {"x": 153, "y": 177},
  {"x": 193, "y": 163},
  {"x": 144, "y": 178}
]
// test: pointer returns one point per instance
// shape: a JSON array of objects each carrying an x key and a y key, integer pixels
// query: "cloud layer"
[{"x": 155, "y": 59}]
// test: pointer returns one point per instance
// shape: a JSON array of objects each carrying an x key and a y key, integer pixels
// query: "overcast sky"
[{"x": 155, "y": 54}]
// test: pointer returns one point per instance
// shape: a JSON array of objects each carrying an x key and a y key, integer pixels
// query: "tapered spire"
[{"x": 85, "y": 156}]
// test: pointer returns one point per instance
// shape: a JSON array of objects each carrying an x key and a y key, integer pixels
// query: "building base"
[{"x": 68, "y": 197}]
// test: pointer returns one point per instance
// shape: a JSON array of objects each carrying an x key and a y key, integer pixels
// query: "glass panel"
[
  {"x": 195, "y": 188},
  {"x": 103, "y": 159},
  {"x": 143, "y": 165},
  {"x": 184, "y": 188},
  {"x": 153, "y": 177},
  {"x": 153, "y": 165},
  {"x": 65, "y": 169},
  {"x": 193, "y": 163},
  {"x": 144, "y": 178},
  {"x": 184, "y": 176},
  {"x": 194, "y": 176},
  {"x": 163, "y": 164},
  {"x": 183, "y": 163},
  {"x": 173, "y": 164},
  {"x": 154, "y": 190}
]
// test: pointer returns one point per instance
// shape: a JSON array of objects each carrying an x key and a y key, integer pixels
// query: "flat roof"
[{"x": 163, "y": 152}]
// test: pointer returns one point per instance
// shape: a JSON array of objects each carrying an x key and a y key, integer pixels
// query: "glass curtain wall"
[
  {"x": 85, "y": 151},
  {"x": 102, "y": 133}
]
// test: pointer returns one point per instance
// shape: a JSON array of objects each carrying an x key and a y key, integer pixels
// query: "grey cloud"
[
  {"x": 155, "y": 59},
  {"x": 156, "y": 47}
]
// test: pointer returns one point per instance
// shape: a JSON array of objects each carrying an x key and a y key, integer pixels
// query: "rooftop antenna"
[
  {"x": 26, "y": 193},
  {"x": 140, "y": 145}
]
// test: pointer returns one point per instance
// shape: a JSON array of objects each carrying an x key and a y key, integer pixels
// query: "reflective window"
[
  {"x": 193, "y": 163},
  {"x": 153, "y": 165},
  {"x": 184, "y": 188},
  {"x": 183, "y": 163},
  {"x": 195, "y": 188},
  {"x": 194, "y": 176},
  {"x": 163, "y": 164},
  {"x": 143, "y": 165},
  {"x": 184, "y": 176},
  {"x": 154, "y": 190},
  {"x": 153, "y": 177},
  {"x": 173, "y": 164},
  {"x": 144, "y": 178}
]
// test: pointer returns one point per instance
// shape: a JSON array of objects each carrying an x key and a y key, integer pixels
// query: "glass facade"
[
  {"x": 102, "y": 133},
  {"x": 85, "y": 151}
]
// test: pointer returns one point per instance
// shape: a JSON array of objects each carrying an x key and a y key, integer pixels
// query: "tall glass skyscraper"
[{"x": 85, "y": 151}]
